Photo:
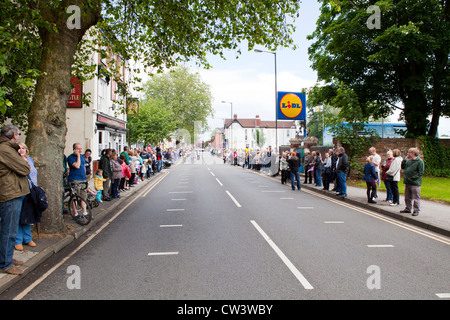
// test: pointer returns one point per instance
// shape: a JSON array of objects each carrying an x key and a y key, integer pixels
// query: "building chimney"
[
  {"x": 235, "y": 116},
  {"x": 257, "y": 121}
]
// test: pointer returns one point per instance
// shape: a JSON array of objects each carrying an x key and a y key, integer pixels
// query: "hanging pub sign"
[
  {"x": 133, "y": 106},
  {"x": 291, "y": 106},
  {"x": 75, "y": 94}
]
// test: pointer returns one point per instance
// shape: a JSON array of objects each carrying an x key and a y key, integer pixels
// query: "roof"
[{"x": 252, "y": 123}]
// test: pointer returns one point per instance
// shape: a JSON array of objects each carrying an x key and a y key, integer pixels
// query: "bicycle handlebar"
[{"x": 80, "y": 183}]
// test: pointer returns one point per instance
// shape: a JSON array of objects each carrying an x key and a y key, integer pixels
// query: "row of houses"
[{"x": 252, "y": 133}]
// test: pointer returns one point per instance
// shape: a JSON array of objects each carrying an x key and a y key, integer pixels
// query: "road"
[{"x": 213, "y": 231}]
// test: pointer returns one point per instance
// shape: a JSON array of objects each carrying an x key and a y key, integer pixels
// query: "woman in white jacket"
[{"x": 394, "y": 174}]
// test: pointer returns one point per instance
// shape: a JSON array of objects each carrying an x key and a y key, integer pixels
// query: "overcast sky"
[{"x": 249, "y": 82}]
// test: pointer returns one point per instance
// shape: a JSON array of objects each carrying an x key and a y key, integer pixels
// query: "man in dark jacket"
[
  {"x": 341, "y": 171},
  {"x": 14, "y": 186},
  {"x": 105, "y": 165},
  {"x": 294, "y": 164}
]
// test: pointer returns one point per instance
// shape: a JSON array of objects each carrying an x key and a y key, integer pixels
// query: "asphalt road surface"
[{"x": 214, "y": 231}]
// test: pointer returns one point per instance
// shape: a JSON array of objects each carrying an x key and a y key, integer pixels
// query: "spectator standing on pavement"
[
  {"x": 377, "y": 163},
  {"x": 13, "y": 179},
  {"x": 98, "y": 183},
  {"x": 88, "y": 160},
  {"x": 77, "y": 173},
  {"x": 414, "y": 168},
  {"x": 125, "y": 153},
  {"x": 294, "y": 165},
  {"x": 307, "y": 164},
  {"x": 318, "y": 167},
  {"x": 387, "y": 180},
  {"x": 117, "y": 175},
  {"x": 284, "y": 168},
  {"x": 341, "y": 171},
  {"x": 105, "y": 165},
  {"x": 29, "y": 211},
  {"x": 393, "y": 174},
  {"x": 370, "y": 177},
  {"x": 326, "y": 171}
]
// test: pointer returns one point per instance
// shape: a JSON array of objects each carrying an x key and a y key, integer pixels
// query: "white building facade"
[
  {"x": 241, "y": 133},
  {"x": 103, "y": 123}
]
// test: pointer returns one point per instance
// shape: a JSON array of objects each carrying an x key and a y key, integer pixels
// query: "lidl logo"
[{"x": 291, "y": 106}]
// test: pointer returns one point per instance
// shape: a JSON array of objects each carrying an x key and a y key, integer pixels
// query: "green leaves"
[
  {"x": 375, "y": 71},
  {"x": 173, "y": 100}
]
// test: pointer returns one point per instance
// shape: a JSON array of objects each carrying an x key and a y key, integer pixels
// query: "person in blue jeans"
[
  {"x": 294, "y": 165},
  {"x": 341, "y": 170},
  {"x": 13, "y": 179}
]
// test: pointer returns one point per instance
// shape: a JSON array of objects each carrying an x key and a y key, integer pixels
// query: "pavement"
[{"x": 433, "y": 216}]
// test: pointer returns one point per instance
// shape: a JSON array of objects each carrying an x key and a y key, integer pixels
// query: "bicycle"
[{"x": 76, "y": 203}]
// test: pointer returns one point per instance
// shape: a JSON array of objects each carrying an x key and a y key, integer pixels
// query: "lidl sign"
[{"x": 291, "y": 106}]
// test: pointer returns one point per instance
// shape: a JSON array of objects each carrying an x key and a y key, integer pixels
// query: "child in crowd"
[{"x": 98, "y": 183}]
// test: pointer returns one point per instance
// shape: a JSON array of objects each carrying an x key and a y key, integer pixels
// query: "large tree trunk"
[{"x": 47, "y": 117}]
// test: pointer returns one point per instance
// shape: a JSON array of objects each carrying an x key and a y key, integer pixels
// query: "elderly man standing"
[
  {"x": 14, "y": 187},
  {"x": 414, "y": 168}
]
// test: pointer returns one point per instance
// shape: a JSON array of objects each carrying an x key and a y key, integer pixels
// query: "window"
[{"x": 102, "y": 86}]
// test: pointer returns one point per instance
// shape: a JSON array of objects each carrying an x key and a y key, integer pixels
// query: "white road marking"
[
  {"x": 219, "y": 182},
  {"x": 286, "y": 198},
  {"x": 305, "y": 207},
  {"x": 283, "y": 257},
  {"x": 178, "y": 199},
  {"x": 333, "y": 222},
  {"x": 234, "y": 200},
  {"x": 443, "y": 295},
  {"x": 212, "y": 174},
  {"x": 380, "y": 246},
  {"x": 175, "y": 210},
  {"x": 181, "y": 192},
  {"x": 162, "y": 253},
  {"x": 170, "y": 225}
]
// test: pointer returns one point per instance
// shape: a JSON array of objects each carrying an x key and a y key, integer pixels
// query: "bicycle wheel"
[{"x": 76, "y": 205}]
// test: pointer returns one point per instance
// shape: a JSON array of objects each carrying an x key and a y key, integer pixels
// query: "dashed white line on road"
[
  {"x": 178, "y": 199},
  {"x": 234, "y": 200},
  {"x": 286, "y": 198},
  {"x": 305, "y": 207},
  {"x": 170, "y": 225},
  {"x": 380, "y": 246},
  {"x": 213, "y": 174},
  {"x": 175, "y": 210},
  {"x": 219, "y": 182},
  {"x": 283, "y": 257},
  {"x": 443, "y": 295},
  {"x": 331, "y": 222},
  {"x": 162, "y": 253}
]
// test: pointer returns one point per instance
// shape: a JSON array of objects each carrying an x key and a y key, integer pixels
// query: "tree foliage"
[
  {"x": 185, "y": 94},
  {"x": 374, "y": 70},
  {"x": 173, "y": 100}
]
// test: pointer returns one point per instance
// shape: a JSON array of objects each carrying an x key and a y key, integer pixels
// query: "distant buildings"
[{"x": 242, "y": 133}]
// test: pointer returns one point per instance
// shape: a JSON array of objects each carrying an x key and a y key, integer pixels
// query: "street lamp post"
[
  {"x": 231, "y": 122},
  {"x": 276, "y": 98}
]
